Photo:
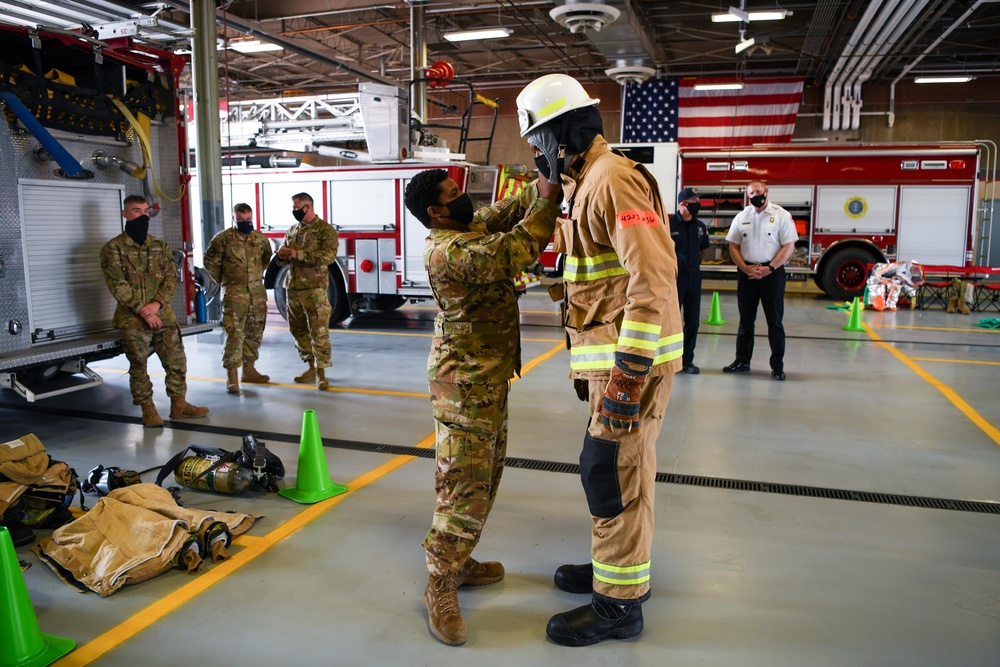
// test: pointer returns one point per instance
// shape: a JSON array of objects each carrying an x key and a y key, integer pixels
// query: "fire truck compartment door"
[
  {"x": 414, "y": 240},
  {"x": 866, "y": 209},
  {"x": 378, "y": 256},
  {"x": 363, "y": 203},
  {"x": 276, "y": 202},
  {"x": 67, "y": 297},
  {"x": 933, "y": 223}
]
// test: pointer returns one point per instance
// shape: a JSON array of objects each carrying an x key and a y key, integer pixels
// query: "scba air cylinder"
[{"x": 230, "y": 478}]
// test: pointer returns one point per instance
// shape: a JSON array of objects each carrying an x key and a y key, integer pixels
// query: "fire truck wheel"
[
  {"x": 844, "y": 274},
  {"x": 339, "y": 309}
]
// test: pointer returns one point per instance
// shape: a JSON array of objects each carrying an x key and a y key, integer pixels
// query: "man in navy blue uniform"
[{"x": 690, "y": 236}]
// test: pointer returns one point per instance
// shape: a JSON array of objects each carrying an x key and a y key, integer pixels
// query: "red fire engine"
[{"x": 853, "y": 205}]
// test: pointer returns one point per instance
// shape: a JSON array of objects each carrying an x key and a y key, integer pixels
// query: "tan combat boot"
[
  {"x": 181, "y": 409},
  {"x": 443, "y": 614},
  {"x": 232, "y": 381},
  {"x": 150, "y": 417},
  {"x": 321, "y": 382},
  {"x": 308, "y": 377},
  {"x": 251, "y": 375},
  {"x": 474, "y": 573}
]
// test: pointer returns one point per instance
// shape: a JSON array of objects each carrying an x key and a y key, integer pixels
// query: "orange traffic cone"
[
  {"x": 21, "y": 642},
  {"x": 715, "y": 316},
  {"x": 312, "y": 480}
]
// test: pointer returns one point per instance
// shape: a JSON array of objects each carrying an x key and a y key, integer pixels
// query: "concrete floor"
[{"x": 740, "y": 577}]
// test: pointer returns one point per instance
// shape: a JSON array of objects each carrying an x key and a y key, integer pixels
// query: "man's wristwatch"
[{"x": 773, "y": 270}]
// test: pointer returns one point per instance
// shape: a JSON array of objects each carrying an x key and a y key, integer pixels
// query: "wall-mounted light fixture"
[{"x": 469, "y": 35}]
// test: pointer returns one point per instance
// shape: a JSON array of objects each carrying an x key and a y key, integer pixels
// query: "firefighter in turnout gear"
[
  {"x": 471, "y": 259},
  {"x": 237, "y": 259},
  {"x": 624, "y": 326},
  {"x": 310, "y": 246},
  {"x": 140, "y": 272}
]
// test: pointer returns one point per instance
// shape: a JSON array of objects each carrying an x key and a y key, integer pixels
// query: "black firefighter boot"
[{"x": 595, "y": 622}]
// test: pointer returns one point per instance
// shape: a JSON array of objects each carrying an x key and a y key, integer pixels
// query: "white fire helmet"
[{"x": 549, "y": 97}]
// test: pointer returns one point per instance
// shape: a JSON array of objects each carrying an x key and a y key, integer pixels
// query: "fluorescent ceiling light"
[
  {"x": 718, "y": 86},
  {"x": 943, "y": 79},
  {"x": 254, "y": 46},
  {"x": 745, "y": 44},
  {"x": 735, "y": 14},
  {"x": 468, "y": 35}
]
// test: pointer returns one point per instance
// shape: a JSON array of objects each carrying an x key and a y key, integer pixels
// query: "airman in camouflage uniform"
[
  {"x": 471, "y": 260},
  {"x": 237, "y": 259},
  {"x": 309, "y": 247},
  {"x": 140, "y": 272}
]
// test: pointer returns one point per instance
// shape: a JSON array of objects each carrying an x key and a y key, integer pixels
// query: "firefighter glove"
[{"x": 620, "y": 404}]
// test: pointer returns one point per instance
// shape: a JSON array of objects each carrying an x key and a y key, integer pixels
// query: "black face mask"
[
  {"x": 299, "y": 214},
  {"x": 693, "y": 207},
  {"x": 758, "y": 200},
  {"x": 244, "y": 226},
  {"x": 461, "y": 210},
  {"x": 138, "y": 228}
]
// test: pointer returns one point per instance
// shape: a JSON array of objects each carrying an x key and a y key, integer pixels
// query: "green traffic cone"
[
  {"x": 855, "y": 323},
  {"x": 312, "y": 480},
  {"x": 715, "y": 316},
  {"x": 21, "y": 642}
]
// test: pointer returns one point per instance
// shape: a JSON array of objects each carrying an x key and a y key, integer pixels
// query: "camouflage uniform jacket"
[
  {"x": 477, "y": 333},
  {"x": 620, "y": 268},
  {"x": 315, "y": 244},
  {"x": 138, "y": 275},
  {"x": 238, "y": 260}
]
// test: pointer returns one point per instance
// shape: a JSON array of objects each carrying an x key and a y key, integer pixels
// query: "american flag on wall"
[{"x": 764, "y": 111}]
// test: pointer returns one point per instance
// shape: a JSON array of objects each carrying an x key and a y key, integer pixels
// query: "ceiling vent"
[
  {"x": 582, "y": 16},
  {"x": 624, "y": 74}
]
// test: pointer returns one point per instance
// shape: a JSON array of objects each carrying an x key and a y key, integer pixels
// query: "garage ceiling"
[{"x": 332, "y": 45}]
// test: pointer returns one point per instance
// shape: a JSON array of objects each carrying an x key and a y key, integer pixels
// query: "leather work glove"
[
  {"x": 620, "y": 405},
  {"x": 582, "y": 389}
]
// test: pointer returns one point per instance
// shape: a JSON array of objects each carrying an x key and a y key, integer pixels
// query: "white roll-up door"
[{"x": 64, "y": 226}]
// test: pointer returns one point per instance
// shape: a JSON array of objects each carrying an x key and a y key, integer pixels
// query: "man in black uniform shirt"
[{"x": 690, "y": 236}]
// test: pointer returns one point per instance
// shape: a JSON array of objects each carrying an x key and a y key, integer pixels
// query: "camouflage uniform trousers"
[
  {"x": 166, "y": 342},
  {"x": 471, "y": 425},
  {"x": 309, "y": 321},
  {"x": 244, "y": 313}
]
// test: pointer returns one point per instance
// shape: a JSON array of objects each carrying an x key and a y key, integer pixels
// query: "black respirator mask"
[
  {"x": 299, "y": 214},
  {"x": 461, "y": 209},
  {"x": 138, "y": 228},
  {"x": 693, "y": 207},
  {"x": 244, "y": 226},
  {"x": 758, "y": 200}
]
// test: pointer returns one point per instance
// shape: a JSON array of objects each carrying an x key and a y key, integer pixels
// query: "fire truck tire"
[
  {"x": 844, "y": 274},
  {"x": 339, "y": 309}
]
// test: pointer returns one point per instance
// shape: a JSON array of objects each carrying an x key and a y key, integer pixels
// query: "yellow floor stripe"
[
  {"x": 991, "y": 431},
  {"x": 923, "y": 328},
  {"x": 958, "y": 361},
  {"x": 127, "y": 629}
]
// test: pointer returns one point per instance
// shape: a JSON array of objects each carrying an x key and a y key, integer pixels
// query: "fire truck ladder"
[
  {"x": 297, "y": 124},
  {"x": 465, "y": 122}
]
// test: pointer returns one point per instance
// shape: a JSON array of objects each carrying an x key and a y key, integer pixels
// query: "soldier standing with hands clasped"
[
  {"x": 140, "y": 272},
  {"x": 310, "y": 246},
  {"x": 471, "y": 259},
  {"x": 237, "y": 259}
]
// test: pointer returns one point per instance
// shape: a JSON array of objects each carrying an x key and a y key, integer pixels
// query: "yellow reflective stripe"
[
  {"x": 582, "y": 269},
  {"x": 630, "y": 575},
  {"x": 670, "y": 348},
  {"x": 640, "y": 335},
  {"x": 550, "y": 108},
  {"x": 592, "y": 357}
]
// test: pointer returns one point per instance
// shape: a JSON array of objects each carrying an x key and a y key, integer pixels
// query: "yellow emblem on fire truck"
[{"x": 856, "y": 207}]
